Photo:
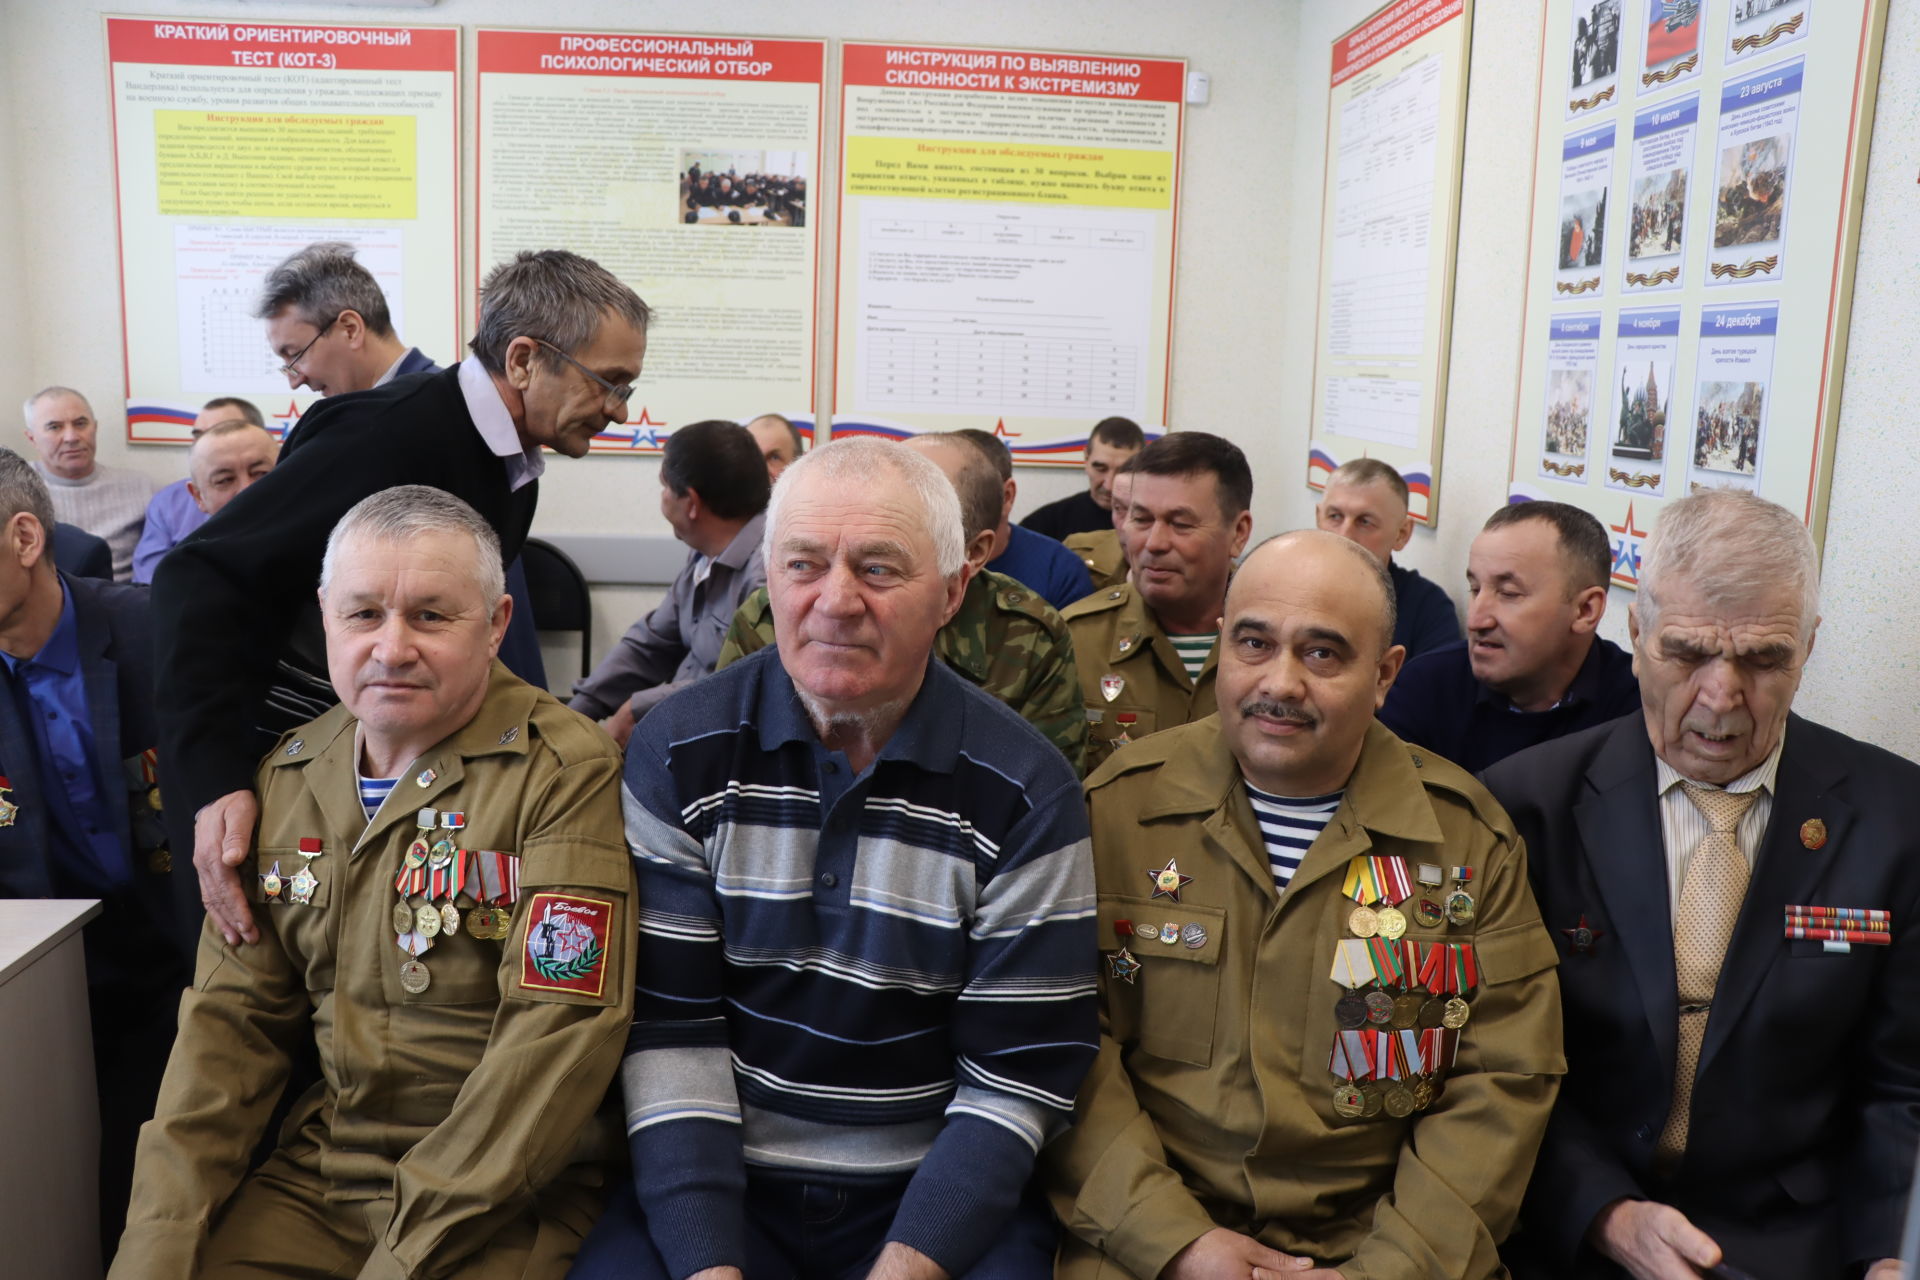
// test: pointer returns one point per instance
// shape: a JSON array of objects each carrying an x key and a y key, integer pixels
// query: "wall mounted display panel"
[
  {"x": 238, "y": 143},
  {"x": 1697, "y": 228},
  {"x": 1006, "y": 243},
  {"x": 688, "y": 166}
]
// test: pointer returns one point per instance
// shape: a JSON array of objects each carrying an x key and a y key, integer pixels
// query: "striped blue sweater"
[{"x": 846, "y": 977}]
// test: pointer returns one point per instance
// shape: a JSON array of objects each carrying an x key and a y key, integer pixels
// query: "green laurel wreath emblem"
[{"x": 570, "y": 970}]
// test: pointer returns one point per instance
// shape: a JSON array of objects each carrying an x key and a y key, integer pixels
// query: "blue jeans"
[{"x": 801, "y": 1228}]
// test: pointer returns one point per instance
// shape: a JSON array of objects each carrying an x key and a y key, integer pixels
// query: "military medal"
[
  {"x": 1406, "y": 1010},
  {"x": 1349, "y": 1103},
  {"x": 1111, "y": 686},
  {"x": 1456, "y": 1014},
  {"x": 1813, "y": 832},
  {"x": 1364, "y": 922},
  {"x": 1350, "y": 1060},
  {"x": 1122, "y": 965},
  {"x": 426, "y": 921},
  {"x": 1392, "y": 924},
  {"x": 1168, "y": 882},
  {"x": 1397, "y": 1100},
  {"x": 270, "y": 883},
  {"x": 1583, "y": 935},
  {"x": 1351, "y": 968},
  {"x": 1460, "y": 906},
  {"x": 402, "y": 918},
  {"x": 1123, "y": 721},
  {"x": 424, "y": 779},
  {"x": 480, "y": 922},
  {"x": 1379, "y": 1008},
  {"x": 1429, "y": 913},
  {"x": 1350, "y": 1011},
  {"x": 300, "y": 888},
  {"x": 8, "y": 809},
  {"x": 414, "y": 977}
]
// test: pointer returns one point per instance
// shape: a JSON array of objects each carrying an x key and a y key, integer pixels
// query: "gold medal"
[
  {"x": 426, "y": 921},
  {"x": 417, "y": 854},
  {"x": 414, "y": 977},
  {"x": 1397, "y": 1100},
  {"x": 480, "y": 922},
  {"x": 1422, "y": 1091},
  {"x": 1349, "y": 1102},
  {"x": 1406, "y": 1011},
  {"x": 270, "y": 883},
  {"x": 1364, "y": 922},
  {"x": 1393, "y": 925},
  {"x": 402, "y": 917}
]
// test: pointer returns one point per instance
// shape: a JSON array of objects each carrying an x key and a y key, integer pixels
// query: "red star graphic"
[
  {"x": 1628, "y": 527},
  {"x": 1582, "y": 936},
  {"x": 1000, "y": 429},
  {"x": 1168, "y": 882},
  {"x": 644, "y": 420}
]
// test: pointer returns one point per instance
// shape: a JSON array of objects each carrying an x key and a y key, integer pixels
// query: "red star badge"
[
  {"x": 1168, "y": 882},
  {"x": 1582, "y": 936}
]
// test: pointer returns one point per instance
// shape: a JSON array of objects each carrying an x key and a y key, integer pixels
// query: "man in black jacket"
[
  {"x": 1733, "y": 890},
  {"x": 79, "y": 807},
  {"x": 237, "y": 634}
]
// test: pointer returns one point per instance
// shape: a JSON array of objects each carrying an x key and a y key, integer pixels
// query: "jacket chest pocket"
[
  {"x": 1169, "y": 1007},
  {"x": 295, "y": 893}
]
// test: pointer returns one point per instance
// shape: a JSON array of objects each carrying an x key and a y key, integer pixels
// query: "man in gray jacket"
[{"x": 713, "y": 491}]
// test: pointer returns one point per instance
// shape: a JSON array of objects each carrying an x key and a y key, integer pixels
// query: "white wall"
[
  {"x": 54, "y": 101},
  {"x": 1249, "y": 227},
  {"x": 1865, "y": 674}
]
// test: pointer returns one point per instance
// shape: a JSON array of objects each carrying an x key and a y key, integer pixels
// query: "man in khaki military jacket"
[
  {"x": 1105, "y": 550},
  {"x": 468, "y": 987},
  {"x": 1148, "y": 647},
  {"x": 1332, "y": 1134}
]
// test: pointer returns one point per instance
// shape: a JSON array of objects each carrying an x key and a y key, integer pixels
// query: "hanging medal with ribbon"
[
  {"x": 1362, "y": 884},
  {"x": 1384, "y": 957},
  {"x": 413, "y": 867},
  {"x": 1460, "y": 906},
  {"x": 1352, "y": 969},
  {"x": 1352, "y": 1061}
]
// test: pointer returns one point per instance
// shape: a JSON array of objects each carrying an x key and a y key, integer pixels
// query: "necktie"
[{"x": 1710, "y": 897}]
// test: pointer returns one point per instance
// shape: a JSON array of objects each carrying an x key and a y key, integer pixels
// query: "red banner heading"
[
  {"x": 195, "y": 43},
  {"x": 1394, "y": 27},
  {"x": 652, "y": 56},
  {"x": 1070, "y": 75}
]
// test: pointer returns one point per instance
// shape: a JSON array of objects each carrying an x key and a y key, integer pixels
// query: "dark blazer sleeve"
[{"x": 226, "y": 600}]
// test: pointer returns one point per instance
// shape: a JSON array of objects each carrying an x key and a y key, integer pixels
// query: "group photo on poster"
[
  {"x": 1594, "y": 56},
  {"x": 1759, "y": 116},
  {"x": 1585, "y": 171},
  {"x": 1734, "y": 374},
  {"x": 1645, "y": 358},
  {"x": 1658, "y": 184},
  {"x": 1573, "y": 359},
  {"x": 1672, "y": 47},
  {"x": 1761, "y": 26},
  {"x": 743, "y": 188}
]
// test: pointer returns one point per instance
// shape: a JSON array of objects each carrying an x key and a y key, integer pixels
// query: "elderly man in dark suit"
[
  {"x": 237, "y": 634},
  {"x": 79, "y": 806},
  {"x": 1733, "y": 890}
]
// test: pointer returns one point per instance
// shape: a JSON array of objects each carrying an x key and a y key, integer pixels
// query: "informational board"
[
  {"x": 1006, "y": 243},
  {"x": 1389, "y": 220},
  {"x": 686, "y": 165},
  {"x": 237, "y": 143},
  {"x": 1696, "y": 208}
]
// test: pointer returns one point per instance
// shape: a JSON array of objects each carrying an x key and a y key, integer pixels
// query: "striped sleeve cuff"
[{"x": 963, "y": 1193}]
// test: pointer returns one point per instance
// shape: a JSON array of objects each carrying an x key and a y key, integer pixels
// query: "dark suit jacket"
[
  {"x": 1806, "y": 1106},
  {"x": 81, "y": 554},
  {"x": 237, "y": 596},
  {"x": 116, "y": 661}
]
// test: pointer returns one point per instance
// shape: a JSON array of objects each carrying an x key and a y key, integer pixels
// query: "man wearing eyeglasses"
[
  {"x": 237, "y": 636},
  {"x": 327, "y": 322}
]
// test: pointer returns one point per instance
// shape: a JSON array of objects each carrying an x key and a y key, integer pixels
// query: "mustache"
[{"x": 1286, "y": 711}]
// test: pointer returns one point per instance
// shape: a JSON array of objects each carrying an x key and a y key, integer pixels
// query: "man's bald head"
[
  {"x": 1322, "y": 553},
  {"x": 974, "y": 479}
]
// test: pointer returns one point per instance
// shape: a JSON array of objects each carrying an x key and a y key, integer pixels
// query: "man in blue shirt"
[
  {"x": 174, "y": 512},
  {"x": 1366, "y": 502},
  {"x": 1533, "y": 667},
  {"x": 1042, "y": 564},
  {"x": 81, "y": 814}
]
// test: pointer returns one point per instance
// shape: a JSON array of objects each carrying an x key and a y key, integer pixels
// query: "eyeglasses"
[
  {"x": 292, "y": 366},
  {"x": 616, "y": 396}
]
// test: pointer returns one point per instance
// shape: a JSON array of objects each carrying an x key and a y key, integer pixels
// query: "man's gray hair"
[
  {"x": 22, "y": 489},
  {"x": 409, "y": 511},
  {"x": 321, "y": 281},
  {"x": 553, "y": 296},
  {"x": 1732, "y": 546},
  {"x": 26, "y": 406},
  {"x": 853, "y": 464}
]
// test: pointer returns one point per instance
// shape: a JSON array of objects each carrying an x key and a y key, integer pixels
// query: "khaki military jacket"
[
  {"x": 1211, "y": 1103},
  {"x": 466, "y": 1103},
  {"x": 1100, "y": 550},
  {"x": 1004, "y": 638},
  {"x": 1129, "y": 668}
]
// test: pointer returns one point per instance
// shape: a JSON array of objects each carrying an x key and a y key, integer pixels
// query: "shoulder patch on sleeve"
[{"x": 568, "y": 947}]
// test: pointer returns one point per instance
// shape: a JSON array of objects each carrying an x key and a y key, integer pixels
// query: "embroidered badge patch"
[{"x": 566, "y": 945}]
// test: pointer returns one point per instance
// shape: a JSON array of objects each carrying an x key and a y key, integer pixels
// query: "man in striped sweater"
[{"x": 866, "y": 965}]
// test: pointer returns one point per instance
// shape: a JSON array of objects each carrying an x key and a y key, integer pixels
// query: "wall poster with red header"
[
  {"x": 1006, "y": 242},
  {"x": 237, "y": 143},
  {"x": 687, "y": 165}
]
